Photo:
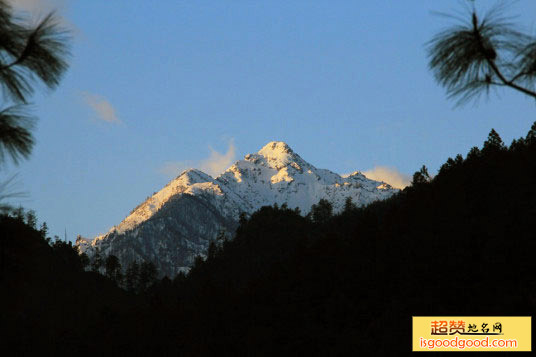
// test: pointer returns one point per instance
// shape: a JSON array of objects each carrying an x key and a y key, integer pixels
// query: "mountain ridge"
[{"x": 178, "y": 222}]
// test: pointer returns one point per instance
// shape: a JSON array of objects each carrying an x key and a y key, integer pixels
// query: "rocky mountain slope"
[{"x": 177, "y": 223}]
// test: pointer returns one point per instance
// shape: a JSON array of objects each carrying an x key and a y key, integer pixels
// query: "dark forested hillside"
[
  {"x": 49, "y": 305},
  {"x": 460, "y": 243}
]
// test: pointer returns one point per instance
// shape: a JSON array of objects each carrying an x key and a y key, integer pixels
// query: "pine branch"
[
  {"x": 490, "y": 55},
  {"x": 38, "y": 53},
  {"x": 468, "y": 59},
  {"x": 16, "y": 139}
]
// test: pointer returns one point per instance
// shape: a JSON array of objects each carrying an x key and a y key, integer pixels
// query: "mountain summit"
[
  {"x": 178, "y": 222},
  {"x": 278, "y": 153}
]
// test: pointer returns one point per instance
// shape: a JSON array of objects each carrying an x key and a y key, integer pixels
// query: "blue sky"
[{"x": 157, "y": 86}]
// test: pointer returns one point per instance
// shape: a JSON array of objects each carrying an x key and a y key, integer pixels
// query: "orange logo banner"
[{"x": 472, "y": 333}]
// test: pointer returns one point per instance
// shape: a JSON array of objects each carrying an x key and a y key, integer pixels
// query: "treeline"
[
  {"x": 136, "y": 278},
  {"x": 459, "y": 243}
]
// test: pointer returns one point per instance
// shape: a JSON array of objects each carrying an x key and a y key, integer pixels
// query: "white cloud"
[
  {"x": 390, "y": 175},
  {"x": 214, "y": 165},
  {"x": 40, "y": 8},
  {"x": 217, "y": 163},
  {"x": 102, "y": 107}
]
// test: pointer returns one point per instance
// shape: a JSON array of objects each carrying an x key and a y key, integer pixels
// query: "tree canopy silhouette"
[
  {"x": 28, "y": 54},
  {"x": 483, "y": 52},
  {"x": 460, "y": 242}
]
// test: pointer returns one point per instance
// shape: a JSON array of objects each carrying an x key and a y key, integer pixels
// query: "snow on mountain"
[
  {"x": 177, "y": 223},
  {"x": 189, "y": 182}
]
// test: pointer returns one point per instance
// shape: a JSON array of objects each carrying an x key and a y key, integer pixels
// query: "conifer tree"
[
  {"x": 493, "y": 143},
  {"x": 473, "y": 154},
  {"x": 212, "y": 250},
  {"x": 113, "y": 268},
  {"x": 531, "y": 135},
  {"x": 84, "y": 259},
  {"x": 31, "y": 219},
  {"x": 44, "y": 230},
  {"x": 18, "y": 213},
  {"x": 421, "y": 177},
  {"x": 349, "y": 205},
  {"x": 96, "y": 264},
  {"x": 148, "y": 275},
  {"x": 322, "y": 211},
  {"x": 132, "y": 277}
]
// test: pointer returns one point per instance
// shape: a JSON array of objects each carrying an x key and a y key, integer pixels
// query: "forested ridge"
[{"x": 459, "y": 243}]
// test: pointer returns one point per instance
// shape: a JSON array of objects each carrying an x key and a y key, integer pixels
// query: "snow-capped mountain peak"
[
  {"x": 177, "y": 223},
  {"x": 192, "y": 176},
  {"x": 278, "y": 154}
]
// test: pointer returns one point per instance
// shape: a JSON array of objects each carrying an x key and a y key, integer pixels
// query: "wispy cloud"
[
  {"x": 40, "y": 8},
  {"x": 390, "y": 175},
  {"x": 214, "y": 165},
  {"x": 102, "y": 107},
  {"x": 217, "y": 162}
]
